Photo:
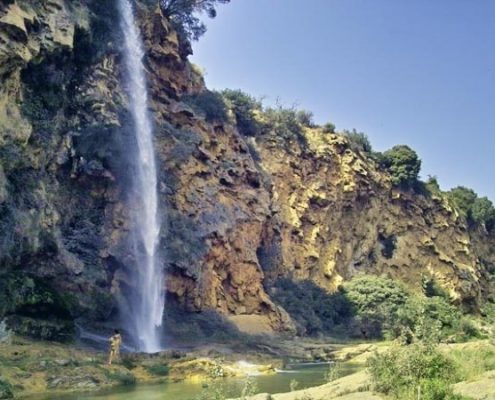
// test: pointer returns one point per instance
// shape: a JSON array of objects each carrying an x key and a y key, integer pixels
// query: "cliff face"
[
  {"x": 239, "y": 213},
  {"x": 338, "y": 216}
]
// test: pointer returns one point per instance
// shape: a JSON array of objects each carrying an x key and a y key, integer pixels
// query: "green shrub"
[
  {"x": 358, "y": 141},
  {"x": 315, "y": 310},
  {"x": 129, "y": 362},
  {"x": 305, "y": 118},
  {"x": 328, "y": 128},
  {"x": 335, "y": 371},
  {"x": 123, "y": 378},
  {"x": 463, "y": 199},
  {"x": 210, "y": 104},
  {"x": 433, "y": 319},
  {"x": 284, "y": 122},
  {"x": 483, "y": 212},
  {"x": 158, "y": 369},
  {"x": 184, "y": 15},
  {"x": 244, "y": 108},
  {"x": 376, "y": 302},
  {"x": 432, "y": 185},
  {"x": 400, "y": 371},
  {"x": 403, "y": 164},
  {"x": 476, "y": 210},
  {"x": 373, "y": 307},
  {"x": 6, "y": 389}
]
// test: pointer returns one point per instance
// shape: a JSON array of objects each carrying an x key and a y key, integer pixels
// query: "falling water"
[{"x": 147, "y": 303}]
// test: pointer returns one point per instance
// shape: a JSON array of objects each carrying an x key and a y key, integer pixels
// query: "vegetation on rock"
[
  {"x": 209, "y": 103},
  {"x": 476, "y": 210},
  {"x": 245, "y": 109},
  {"x": 374, "y": 307},
  {"x": 403, "y": 164},
  {"x": 183, "y": 13},
  {"x": 255, "y": 193},
  {"x": 359, "y": 141}
]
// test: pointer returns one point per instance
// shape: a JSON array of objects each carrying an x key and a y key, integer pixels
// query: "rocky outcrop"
[
  {"x": 238, "y": 213},
  {"x": 338, "y": 216}
]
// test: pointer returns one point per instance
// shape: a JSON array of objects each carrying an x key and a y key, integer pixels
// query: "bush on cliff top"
[
  {"x": 358, "y": 141},
  {"x": 476, "y": 210},
  {"x": 210, "y": 104},
  {"x": 244, "y": 108},
  {"x": 403, "y": 164}
]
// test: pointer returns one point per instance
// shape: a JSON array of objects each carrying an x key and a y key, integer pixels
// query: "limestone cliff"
[
  {"x": 239, "y": 213},
  {"x": 338, "y": 215}
]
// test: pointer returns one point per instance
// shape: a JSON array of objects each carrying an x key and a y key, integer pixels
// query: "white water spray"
[{"x": 148, "y": 303}]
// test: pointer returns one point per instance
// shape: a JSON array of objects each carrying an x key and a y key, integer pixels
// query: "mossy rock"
[
  {"x": 32, "y": 308},
  {"x": 30, "y": 296},
  {"x": 56, "y": 330}
]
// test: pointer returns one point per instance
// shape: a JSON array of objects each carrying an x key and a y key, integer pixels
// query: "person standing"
[{"x": 115, "y": 342}]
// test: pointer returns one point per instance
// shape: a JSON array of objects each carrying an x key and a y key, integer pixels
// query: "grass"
[
  {"x": 123, "y": 378},
  {"x": 158, "y": 369},
  {"x": 5, "y": 389},
  {"x": 473, "y": 360}
]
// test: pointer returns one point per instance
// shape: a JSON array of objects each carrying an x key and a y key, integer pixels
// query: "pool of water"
[{"x": 306, "y": 375}]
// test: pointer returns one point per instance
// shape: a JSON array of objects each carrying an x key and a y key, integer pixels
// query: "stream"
[{"x": 307, "y": 375}]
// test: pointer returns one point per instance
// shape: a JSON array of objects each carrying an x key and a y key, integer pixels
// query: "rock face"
[
  {"x": 339, "y": 216},
  {"x": 239, "y": 213}
]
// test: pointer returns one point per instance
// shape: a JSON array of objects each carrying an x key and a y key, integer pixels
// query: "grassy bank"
[{"x": 29, "y": 367}]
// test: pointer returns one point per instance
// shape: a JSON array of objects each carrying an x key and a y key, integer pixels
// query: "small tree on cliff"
[
  {"x": 463, "y": 198},
  {"x": 403, "y": 164},
  {"x": 483, "y": 212},
  {"x": 476, "y": 210},
  {"x": 183, "y": 14}
]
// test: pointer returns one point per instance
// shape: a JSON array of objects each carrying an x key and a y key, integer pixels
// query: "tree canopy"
[
  {"x": 477, "y": 210},
  {"x": 403, "y": 164},
  {"x": 184, "y": 15}
]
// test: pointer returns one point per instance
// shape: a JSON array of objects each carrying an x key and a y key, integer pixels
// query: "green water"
[{"x": 305, "y": 375}]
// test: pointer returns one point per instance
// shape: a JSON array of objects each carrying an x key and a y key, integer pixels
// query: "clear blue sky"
[{"x": 416, "y": 72}]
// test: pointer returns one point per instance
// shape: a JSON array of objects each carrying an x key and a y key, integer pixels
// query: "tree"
[
  {"x": 463, "y": 198},
  {"x": 305, "y": 118},
  {"x": 244, "y": 107},
  {"x": 376, "y": 302},
  {"x": 403, "y": 164},
  {"x": 358, "y": 141},
  {"x": 209, "y": 103},
  {"x": 432, "y": 183},
  {"x": 483, "y": 212},
  {"x": 183, "y": 14},
  {"x": 328, "y": 127},
  {"x": 476, "y": 210}
]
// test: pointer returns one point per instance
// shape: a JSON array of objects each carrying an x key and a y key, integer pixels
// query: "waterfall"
[{"x": 147, "y": 302}]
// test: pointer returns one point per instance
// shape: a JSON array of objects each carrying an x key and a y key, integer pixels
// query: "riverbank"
[
  {"x": 476, "y": 367},
  {"x": 28, "y": 367}
]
